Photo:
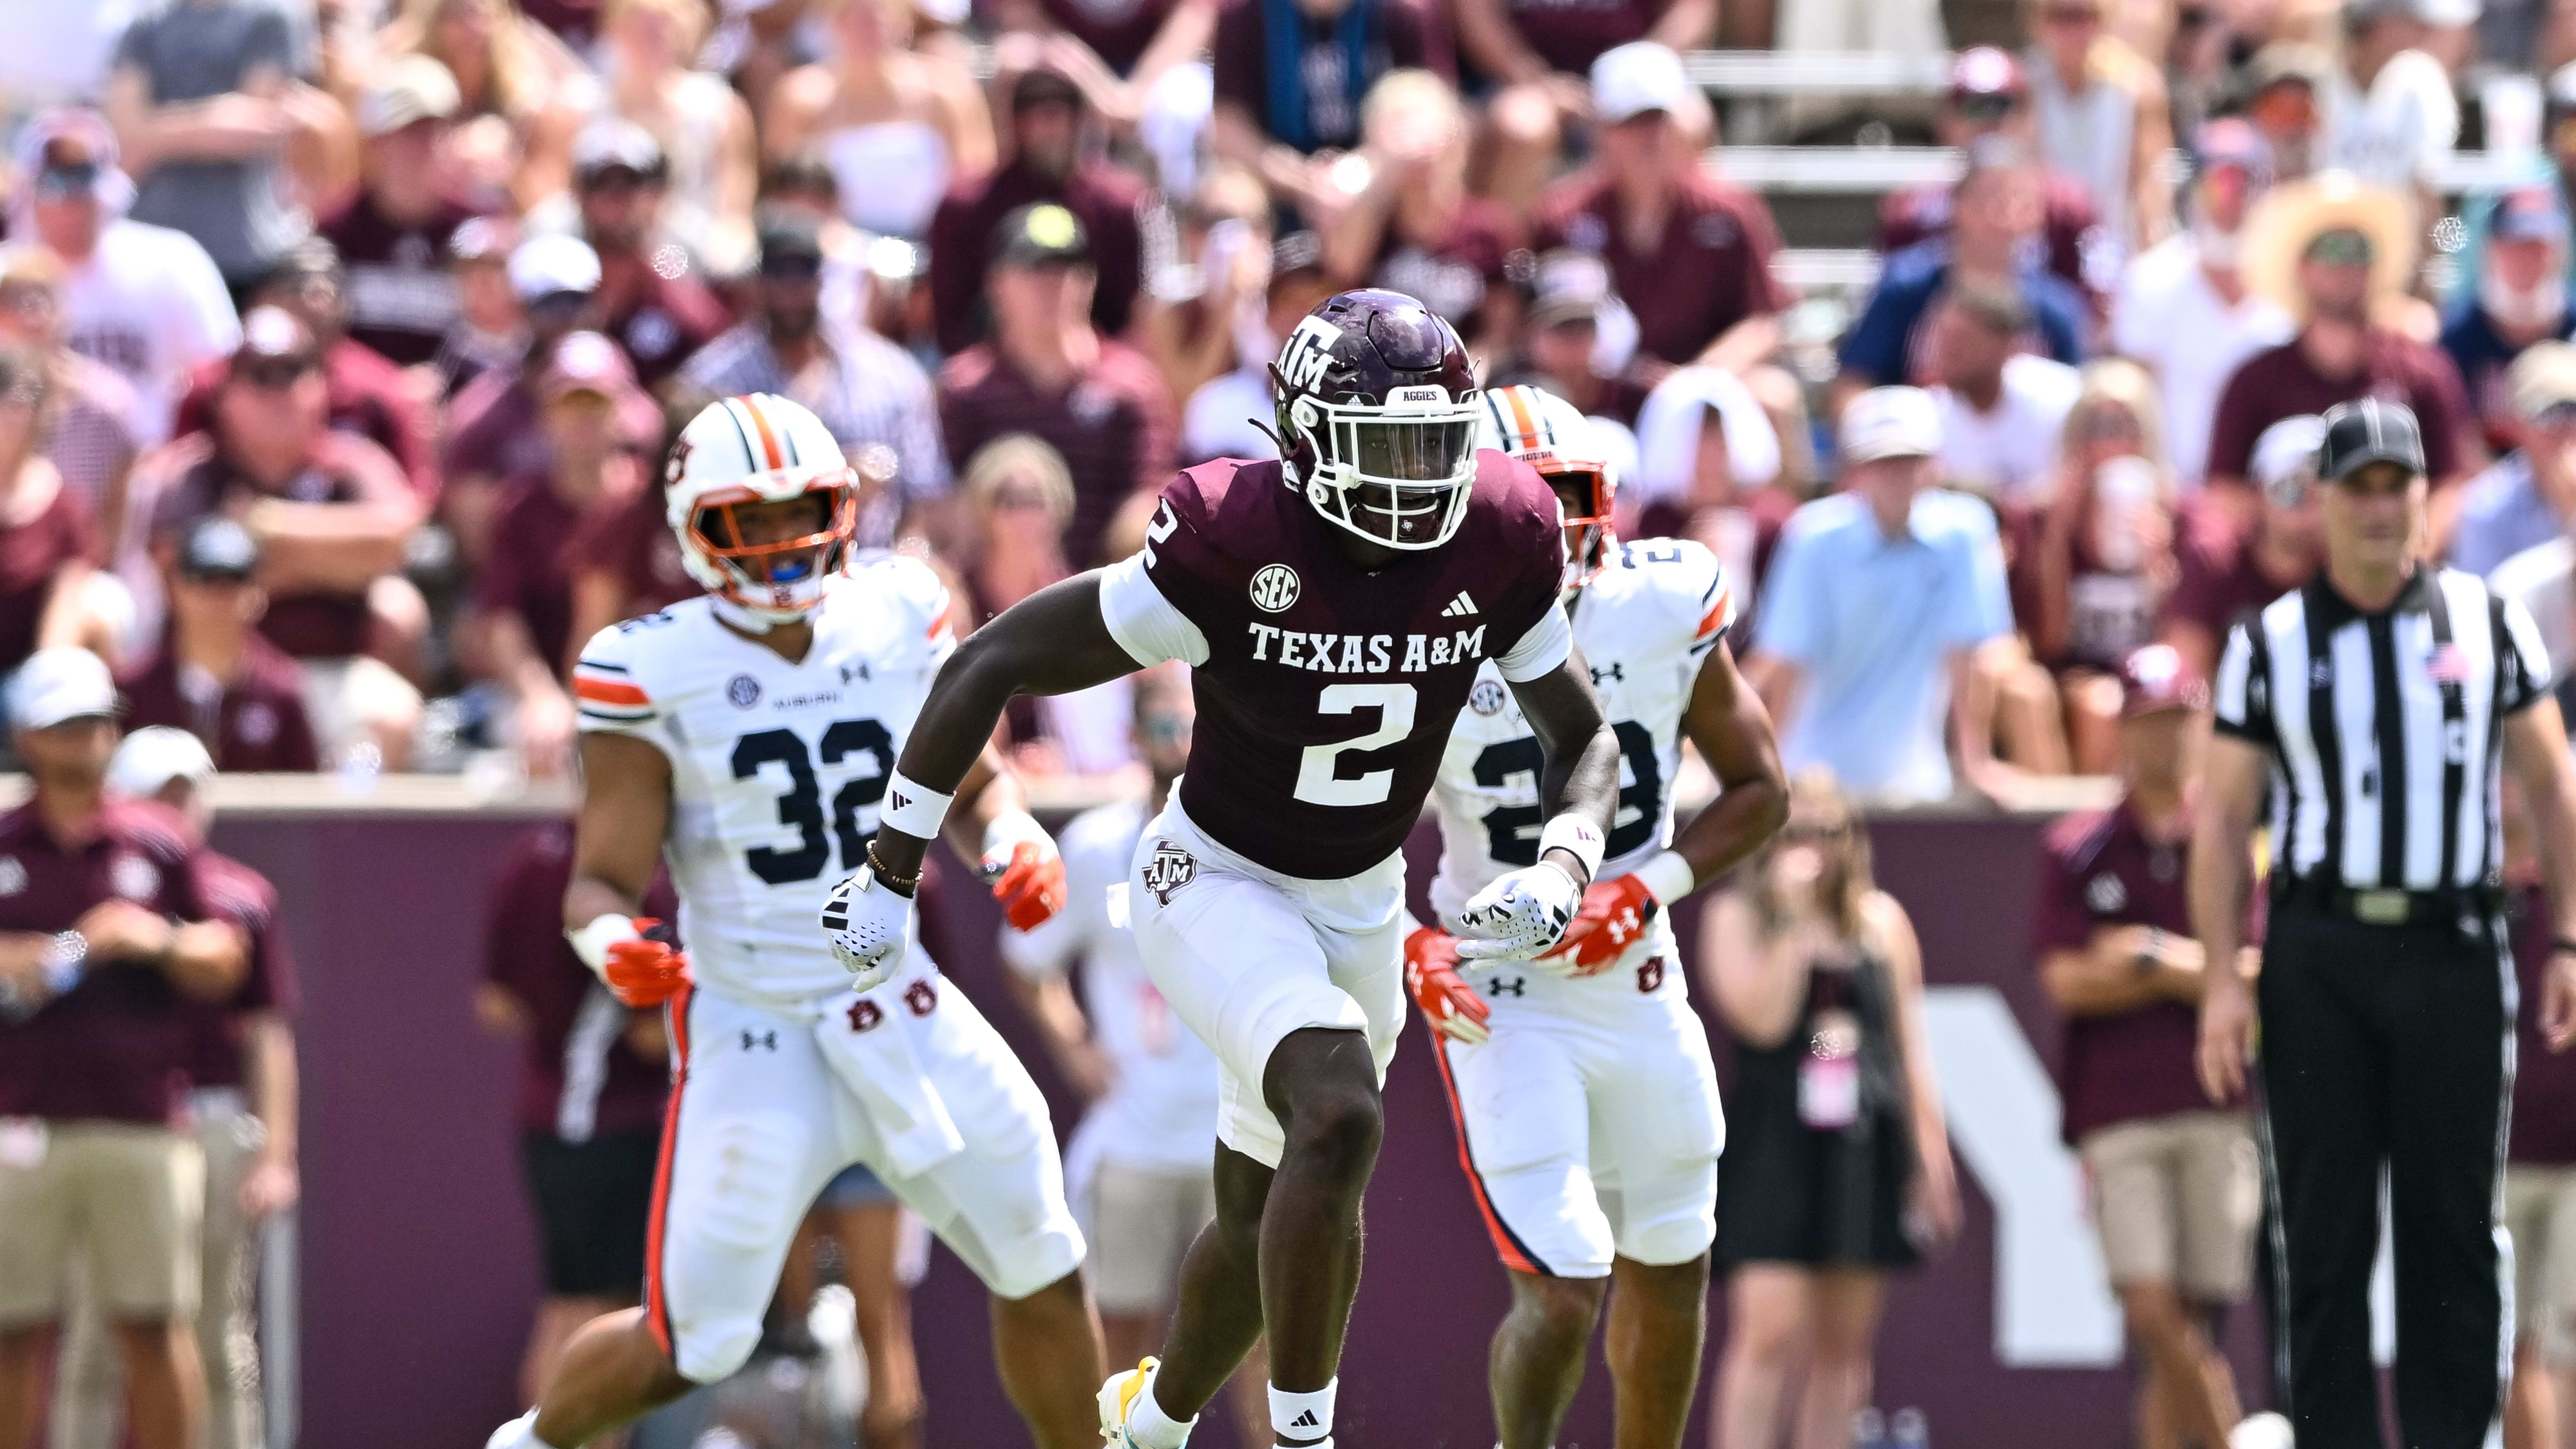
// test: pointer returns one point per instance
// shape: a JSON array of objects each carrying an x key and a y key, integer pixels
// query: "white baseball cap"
[
  {"x": 2287, "y": 452},
  {"x": 58, "y": 685},
  {"x": 1630, "y": 80},
  {"x": 553, "y": 262},
  {"x": 155, "y": 755},
  {"x": 1891, "y": 422}
]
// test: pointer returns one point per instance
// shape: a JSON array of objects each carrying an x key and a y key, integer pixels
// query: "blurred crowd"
[{"x": 340, "y": 344}]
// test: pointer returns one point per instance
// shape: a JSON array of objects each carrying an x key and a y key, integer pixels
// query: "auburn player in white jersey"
[
  {"x": 1586, "y": 1103},
  {"x": 748, "y": 736}
]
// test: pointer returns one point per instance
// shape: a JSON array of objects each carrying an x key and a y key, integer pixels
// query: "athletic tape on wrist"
[
  {"x": 914, "y": 808},
  {"x": 1667, "y": 877},
  {"x": 591, "y": 942},
  {"x": 1570, "y": 832}
]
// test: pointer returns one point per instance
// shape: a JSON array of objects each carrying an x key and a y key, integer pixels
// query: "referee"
[{"x": 2378, "y": 704}]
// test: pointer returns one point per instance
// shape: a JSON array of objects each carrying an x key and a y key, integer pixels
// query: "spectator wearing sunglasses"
[
  {"x": 2528, "y": 498},
  {"x": 215, "y": 675}
]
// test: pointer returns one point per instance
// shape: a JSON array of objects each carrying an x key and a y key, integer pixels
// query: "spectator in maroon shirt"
[
  {"x": 523, "y": 603},
  {"x": 215, "y": 675},
  {"x": 1290, "y": 76},
  {"x": 1049, "y": 162},
  {"x": 395, "y": 234},
  {"x": 47, "y": 538},
  {"x": 2172, "y": 1181},
  {"x": 1701, "y": 249},
  {"x": 1539, "y": 52},
  {"x": 1989, "y": 96},
  {"x": 490, "y": 329},
  {"x": 1561, "y": 342},
  {"x": 332, "y": 515},
  {"x": 1097, "y": 401},
  {"x": 1415, "y": 229},
  {"x": 365, "y": 394},
  {"x": 2540, "y": 1166},
  {"x": 650, "y": 298},
  {"x": 591, "y": 1089},
  {"x": 2227, "y": 568},
  {"x": 625, "y": 561},
  {"x": 108, "y": 932}
]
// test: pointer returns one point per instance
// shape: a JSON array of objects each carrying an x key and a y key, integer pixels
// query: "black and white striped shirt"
[{"x": 2385, "y": 729}]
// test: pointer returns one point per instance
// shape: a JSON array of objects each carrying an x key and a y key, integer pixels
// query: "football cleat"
[{"x": 1119, "y": 1395}]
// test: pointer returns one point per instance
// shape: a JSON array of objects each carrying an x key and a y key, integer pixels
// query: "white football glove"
[
  {"x": 865, "y": 924},
  {"x": 1520, "y": 916}
]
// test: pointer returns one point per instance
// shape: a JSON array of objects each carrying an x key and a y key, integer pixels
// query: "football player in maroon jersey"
[{"x": 1335, "y": 607}]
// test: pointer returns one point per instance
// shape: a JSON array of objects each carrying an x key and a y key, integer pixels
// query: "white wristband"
[
  {"x": 591, "y": 942},
  {"x": 1667, "y": 877},
  {"x": 1566, "y": 830},
  {"x": 914, "y": 808}
]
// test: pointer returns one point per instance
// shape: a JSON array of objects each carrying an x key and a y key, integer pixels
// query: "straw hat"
[{"x": 2292, "y": 215}]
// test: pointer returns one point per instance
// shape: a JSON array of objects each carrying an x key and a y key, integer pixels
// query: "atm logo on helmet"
[{"x": 1308, "y": 354}]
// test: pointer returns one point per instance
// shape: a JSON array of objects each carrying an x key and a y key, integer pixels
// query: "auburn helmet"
[
  {"x": 1561, "y": 445},
  {"x": 1377, "y": 418},
  {"x": 757, "y": 449}
]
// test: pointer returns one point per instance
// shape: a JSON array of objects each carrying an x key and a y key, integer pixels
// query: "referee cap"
[{"x": 2369, "y": 431}]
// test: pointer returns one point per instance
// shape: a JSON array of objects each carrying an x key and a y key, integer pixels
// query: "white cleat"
[
  {"x": 2261, "y": 1431},
  {"x": 516, "y": 1434},
  {"x": 1116, "y": 1397}
]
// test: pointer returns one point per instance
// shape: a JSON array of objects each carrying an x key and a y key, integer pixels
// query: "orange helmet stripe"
[
  {"x": 1525, "y": 435},
  {"x": 768, "y": 438}
]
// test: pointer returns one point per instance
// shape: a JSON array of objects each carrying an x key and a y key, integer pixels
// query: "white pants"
[
  {"x": 762, "y": 1123},
  {"x": 1590, "y": 1119},
  {"x": 1246, "y": 955}
]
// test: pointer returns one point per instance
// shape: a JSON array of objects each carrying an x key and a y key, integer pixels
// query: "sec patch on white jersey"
[{"x": 777, "y": 767}]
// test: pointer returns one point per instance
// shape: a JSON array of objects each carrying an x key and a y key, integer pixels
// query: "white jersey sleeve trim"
[
  {"x": 1539, "y": 651},
  {"x": 1145, "y": 623}
]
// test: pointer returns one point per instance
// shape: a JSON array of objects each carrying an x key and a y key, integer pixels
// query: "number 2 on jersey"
[
  {"x": 1317, "y": 784},
  {"x": 801, "y": 807}
]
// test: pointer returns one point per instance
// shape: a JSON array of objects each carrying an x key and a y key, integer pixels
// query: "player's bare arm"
[
  {"x": 2222, "y": 869},
  {"x": 1581, "y": 776},
  {"x": 2535, "y": 752},
  {"x": 1725, "y": 720}
]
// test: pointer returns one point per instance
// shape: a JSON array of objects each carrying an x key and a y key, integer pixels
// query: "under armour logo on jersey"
[
  {"x": 1459, "y": 607},
  {"x": 1611, "y": 670},
  {"x": 1169, "y": 870},
  {"x": 765, "y": 1040},
  {"x": 1514, "y": 986},
  {"x": 1274, "y": 588}
]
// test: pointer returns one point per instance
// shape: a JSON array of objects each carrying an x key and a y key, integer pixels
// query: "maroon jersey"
[
  {"x": 1571, "y": 34},
  {"x": 2218, "y": 577},
  {"x": 2102, "y": 870},
  {"x": 2071, "y": 232},
  {"x": 33, "y": 552},
  {"x": 2544, "y": 1081},
  {"x": 1454, "y": 272},
  {"x": 253, "y": 722},
  {"x": 1709, "y": 270},
  {"x": 1115, "y": 426},
  {"x": 117, "y": 1046},
  {"x": 1329, "y": 692},
  {"x": 529, "y": 572},
  {"x": 632, "y": 542},
  {"x": 241, "y": 895},
  {"x": 1108, "y": 202},
  {"x": 368, "y": 397},
  {"x": 2282, "y": 383},
  {"x": 577, "y": 1075},
  {"x": 401, "y": 296},
  {"x": 1118, "y": 31}
]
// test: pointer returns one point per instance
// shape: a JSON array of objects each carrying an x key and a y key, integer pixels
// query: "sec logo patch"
[
  {"x": 743, "y": 691},
  {"x": 1486, "y": 697},
  {"x": 1274, "y": 588}
]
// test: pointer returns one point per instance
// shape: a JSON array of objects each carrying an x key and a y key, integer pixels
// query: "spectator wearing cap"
[
  {"x": 214, "y": 674},
  {"x": 2520, "y": 299},
  {"x": 869, "y": 392},
  {"x": 2529, "y": 497},
  {"x": 368, "y": 396},
  {"x": 2183, "y": 309},
  {"x": 48, "y": 540},
  {"x": 2554, "y": 170},
  {"x": 650, "y": 297},
  {"x": 2284, "y": 87},
  {"x": 2101, "y": 117},
  {"x": 515, "y": 116},
  {"x": 1989, "y": 245},
  {"x": 2172, "y": 1180},
  {"x": 1050, "y": 372},
  {"x": 90, "y": 434},
  {"x": 523, "y": 597},
  {"x": 226, "y": 140},
  {"x": 1578, "y": 340},
  {"x": 2002, "y": 409},
  {"x": 1290, "y": 77},
  {"x": 111, "y": 931},
  {"x": 1883, "y": 606},
  {"x": 1415, "y": 229},
  {"x": 331, "y": 513},
  {"x": 1539, "y": 56},
  {"x": 490, "y": 329},
  {"x": 144, "y": 300},
  {"x": 242, "y": 1111},
  {"x": 896, "y": 126},
  {"x": 2335, "y": 255},
  {"x": 1988, "y": 96},
  {"x": 396, "y": 235},
  {"x": 2390, "y": 115},
  {"x": 710, "y": 155},
  {"x": 2228, "y": 565},
  {"x": 1223, "y": 417},
  {"x": 1666, "y": 228},
  {"x": 1048, "y": 163}
]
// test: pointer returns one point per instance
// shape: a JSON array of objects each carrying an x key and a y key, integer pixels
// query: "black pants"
[{"x": 2388, "y": 1046}]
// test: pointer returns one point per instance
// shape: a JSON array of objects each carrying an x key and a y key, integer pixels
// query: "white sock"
[
  {"x": 1303, "y": 1419},
  {"x": 519, "y": 1433},
  {"x": 1149, "y": 1426}
]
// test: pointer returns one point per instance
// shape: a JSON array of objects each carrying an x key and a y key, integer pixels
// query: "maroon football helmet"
[{"x": 1377, "y": 418}]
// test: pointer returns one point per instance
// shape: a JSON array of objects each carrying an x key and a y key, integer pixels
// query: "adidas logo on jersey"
[{"x": 1459, "y": 607}]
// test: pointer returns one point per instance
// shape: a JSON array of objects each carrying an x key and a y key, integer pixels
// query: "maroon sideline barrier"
[{"x": 419, "y": 1268}]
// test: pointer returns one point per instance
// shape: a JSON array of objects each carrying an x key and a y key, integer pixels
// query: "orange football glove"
[
  {"x": 1431, "y": 975},
  {"x": 1614, "y": 915},
  {"x": 1031, "y": 886},
  {"x": 644, "y": 972}
]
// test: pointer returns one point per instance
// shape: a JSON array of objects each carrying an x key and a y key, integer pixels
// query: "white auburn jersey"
[
  {"x": 777, "y": 768},
  {"x": 1645, "y": 623}
]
